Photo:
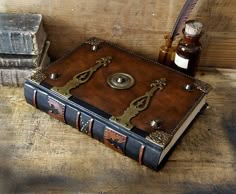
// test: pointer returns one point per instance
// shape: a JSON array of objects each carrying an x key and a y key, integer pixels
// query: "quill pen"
[
  {"x": 166, "y": 51},
  {"x": 183, "y": 16}
]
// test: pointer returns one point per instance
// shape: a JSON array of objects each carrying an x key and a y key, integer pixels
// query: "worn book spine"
[
  {"x": 15, "y": 76},
  {"x": 93, "y": 122},
  {"x": 19, "y": 61},
  {"x": 23, "y": 61},
  {"x": 21, "y": 34}
]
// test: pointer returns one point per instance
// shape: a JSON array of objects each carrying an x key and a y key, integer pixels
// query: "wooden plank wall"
[{"x": 136, "y": 24}]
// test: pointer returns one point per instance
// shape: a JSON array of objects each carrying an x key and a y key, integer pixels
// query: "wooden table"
[{"x": 40, "y": 154}]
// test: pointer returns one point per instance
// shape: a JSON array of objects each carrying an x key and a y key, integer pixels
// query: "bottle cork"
[{"x": 193, "y": 28}]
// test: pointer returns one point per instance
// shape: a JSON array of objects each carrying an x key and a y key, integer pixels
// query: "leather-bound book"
[
  {"x": 11, "y": 61},
  {"x": 14, "y": 69},
  {"x": 21, "y": 34},
  {"x": 132, "y": 104}
]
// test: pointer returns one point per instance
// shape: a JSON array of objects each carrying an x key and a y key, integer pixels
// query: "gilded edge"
[
  {"x": 94, "y": 41},
  {"x": 38, "y": 77},
  {"x": 160, "y": 137},
  {"x": 202, "y": 86}
]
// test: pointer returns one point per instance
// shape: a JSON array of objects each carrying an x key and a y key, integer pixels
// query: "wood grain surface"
[
  {"x": 136, "y": 24},
  {"x": 39, "y": 154}
]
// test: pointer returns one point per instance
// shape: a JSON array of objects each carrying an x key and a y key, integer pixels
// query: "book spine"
[
  {"x": 21, "y": 34},
  {"x": 95, "y": 126},
  {"x": 14, "y": 77},
  {"x": 21, "y": 43},
  {"x": 19, "y": 61}
]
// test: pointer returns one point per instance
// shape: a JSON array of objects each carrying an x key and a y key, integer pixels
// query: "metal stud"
[
  {"x": 94, "y": 47},
  {"x": 120, "y": 81},
  {"x": 155, "y": 124},
  {"x": 188, "y": 87},
  {"x": 54, "y": 76}
]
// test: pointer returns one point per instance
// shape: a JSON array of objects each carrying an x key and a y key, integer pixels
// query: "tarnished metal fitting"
[{"x": 155, "y": 124}]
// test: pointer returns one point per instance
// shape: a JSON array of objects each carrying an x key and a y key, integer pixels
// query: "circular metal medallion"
[{"x": 120, "y": 81}]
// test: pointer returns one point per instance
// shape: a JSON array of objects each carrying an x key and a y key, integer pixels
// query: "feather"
[{"x": 183, "y": 16}]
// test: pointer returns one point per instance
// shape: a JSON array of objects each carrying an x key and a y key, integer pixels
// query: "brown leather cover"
[{"x": 171, "y": 105}]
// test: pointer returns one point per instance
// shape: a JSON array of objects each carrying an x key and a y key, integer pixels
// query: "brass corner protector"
[
  {"x": 203, "y": 86},
  {"x": 94, "y": 41},
  {"x": 38, "y": 77},
  {"x": 160, "y": 137}
]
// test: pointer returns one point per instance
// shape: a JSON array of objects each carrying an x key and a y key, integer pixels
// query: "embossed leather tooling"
[
  {"x": 87, "y": 127},
  {"x": 114, "y": 140},
  {"x": 57, "y": 109}
]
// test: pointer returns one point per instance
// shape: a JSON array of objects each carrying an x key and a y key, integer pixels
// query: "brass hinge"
[
  {"x": 82, "y": 77},
  {"x": 137, "y": 105}
]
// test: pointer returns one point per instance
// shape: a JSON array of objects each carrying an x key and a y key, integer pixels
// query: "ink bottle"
[
  {"x": 189, "y": 49},
  {"x": 166, "y": 53}
]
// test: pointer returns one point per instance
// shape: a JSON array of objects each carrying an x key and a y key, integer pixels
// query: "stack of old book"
[{"x": 23, "y": 47}]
